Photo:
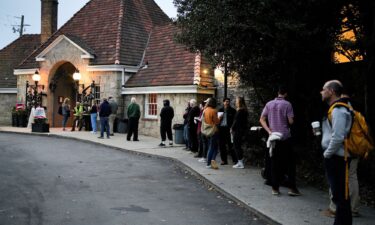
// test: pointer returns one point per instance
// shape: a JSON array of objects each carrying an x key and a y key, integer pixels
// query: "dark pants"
[
  {"x": 203, "y": 145},
  {"x": 335, "y": 169},
  {"x": 212, "y": 148},
  {"x": 80, "y": 123},
  {"x": 283, "y": 163},
  {"x": 193, "y": 138},
  {"x": 166, "y": 128},
  {"x": 133, "y": 128},
  {"x": 237, "y": 145},
  {"x": 224, "y": 141},
  {"x": 104, "y": 124}
]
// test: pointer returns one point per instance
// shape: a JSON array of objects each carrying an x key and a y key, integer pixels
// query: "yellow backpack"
[{"x": 358, "y": 142}]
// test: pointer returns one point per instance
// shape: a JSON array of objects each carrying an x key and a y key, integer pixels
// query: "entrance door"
[{"x": 64, "y": 88}]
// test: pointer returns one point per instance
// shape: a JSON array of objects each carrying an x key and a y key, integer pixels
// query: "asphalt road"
[{"x": 55, "y": 181}]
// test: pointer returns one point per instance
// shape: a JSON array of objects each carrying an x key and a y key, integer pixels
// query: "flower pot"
[{"x": 40, "y": 127}]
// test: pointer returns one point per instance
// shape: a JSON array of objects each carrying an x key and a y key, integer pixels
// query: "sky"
[{"x": 12, "y": 10}]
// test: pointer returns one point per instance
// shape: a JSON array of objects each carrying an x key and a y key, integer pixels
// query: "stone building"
[{"x": 122, "y": 48}]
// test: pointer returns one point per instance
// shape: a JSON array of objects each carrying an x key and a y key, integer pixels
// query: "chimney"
[{"x": 48, "y": 19}]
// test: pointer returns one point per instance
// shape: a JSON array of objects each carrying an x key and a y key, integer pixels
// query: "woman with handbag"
[
  {"x": 209, "y": 128},
  {"x": 65, "y": 112}
]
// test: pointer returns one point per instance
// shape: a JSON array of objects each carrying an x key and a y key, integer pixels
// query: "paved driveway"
[{"x": 54, "y": 181}]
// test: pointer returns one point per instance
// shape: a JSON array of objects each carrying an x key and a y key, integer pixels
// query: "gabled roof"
[
  {"x": 116, "y": 30},
  {"x": 168, "y": 63},
  {"x": 13, "y": 54}
]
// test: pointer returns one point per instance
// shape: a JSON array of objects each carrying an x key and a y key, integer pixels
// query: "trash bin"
[
  {"x": 178, "y": 133},
  {"x": 122, "y": 126}
]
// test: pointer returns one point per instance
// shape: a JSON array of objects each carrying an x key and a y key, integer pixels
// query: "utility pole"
[{"x": 21, "y": 27}]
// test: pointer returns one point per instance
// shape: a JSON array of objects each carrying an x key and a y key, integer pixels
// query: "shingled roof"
[
  {"x": 168, "y": 63},
  {"x": 13, "y": 54},
  {"x": 115, "y": 30}
]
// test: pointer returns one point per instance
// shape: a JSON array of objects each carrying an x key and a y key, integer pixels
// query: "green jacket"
[
  {"x": 78, "y": 111},
  {"x": 134, "y": 111}
]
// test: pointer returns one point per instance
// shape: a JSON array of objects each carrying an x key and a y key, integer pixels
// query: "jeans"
[
  {"x": 212, "y": 148},
  {"x": 203, "y": 145},
  {"x": 93, "y": 117},
  {"x": 104, "y": 125},
  {"x": 186, "y": 136},
  {"x": 335, "y": 169},
  {"x": 65, "y": 119}
]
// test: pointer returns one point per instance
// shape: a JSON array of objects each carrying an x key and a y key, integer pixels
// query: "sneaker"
[
  {"x": 294, "y": 192},
  {"x": 101, "y": 137},
  {"x": 208, "y": 167},
  {"x": 329, "y": 213},
  {"x": 170, "y": 143},
  {"x": 214, "y": 165},
  {"x": 162, "y": 145},
  {"x": 275, "y": 192},
  {"x": 202, "y": 160},
  {"x": 238, "y": 166},
  {"x": 135, "y": 140}
]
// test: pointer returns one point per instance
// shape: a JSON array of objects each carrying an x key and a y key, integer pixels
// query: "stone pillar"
[{"x": 48, "y": 19}]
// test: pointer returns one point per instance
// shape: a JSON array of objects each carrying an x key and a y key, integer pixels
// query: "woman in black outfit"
[{"x": 239, "y": 130}]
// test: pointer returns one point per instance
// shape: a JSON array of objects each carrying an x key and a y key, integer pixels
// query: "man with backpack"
[{"x": 336, "y": 159}]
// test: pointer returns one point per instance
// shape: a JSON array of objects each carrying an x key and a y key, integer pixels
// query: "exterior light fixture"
[
  {"x": 76, "y": 75},
  {"x": 36, "y": 77}
]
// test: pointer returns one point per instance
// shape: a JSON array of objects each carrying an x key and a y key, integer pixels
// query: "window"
[
  {"x": 151, "y": 106},
  {"x": 97, "y": 94}
]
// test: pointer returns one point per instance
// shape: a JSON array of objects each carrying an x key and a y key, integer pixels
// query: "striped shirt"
[{"x": 277, "y": 112}]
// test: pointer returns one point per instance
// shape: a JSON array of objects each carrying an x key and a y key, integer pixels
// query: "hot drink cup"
[{"x": 316, "y": 128}]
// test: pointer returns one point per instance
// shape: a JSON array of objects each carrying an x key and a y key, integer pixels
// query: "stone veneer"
[
  {"x": 151, "y": 127},
  {"x": 8, "y": 101}
]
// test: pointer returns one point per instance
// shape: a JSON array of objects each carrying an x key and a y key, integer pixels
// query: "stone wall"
[
  {"x": 151, "y": 127},
  {"x": 8, "y": 101}
]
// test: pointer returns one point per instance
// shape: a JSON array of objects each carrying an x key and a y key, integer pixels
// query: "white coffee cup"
[{"x": 316, "y": 128}]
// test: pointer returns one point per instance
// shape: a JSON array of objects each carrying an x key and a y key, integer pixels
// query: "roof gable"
[
  {"x": 13, "y": 54},
  {"x": 85, "y": 53},
  {"x": 116, "y": 30}
]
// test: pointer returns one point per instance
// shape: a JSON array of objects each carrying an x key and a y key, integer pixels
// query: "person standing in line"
[
  {"x": 65, "y": 112},
  {"x": 192, "y": 125},
  {"x": 166, "y": 116},
  {"x": 112, "y": 117},
  {"x": 239, "y": 130},
  {"x": 225, "y": 143},
  {"x": 134, "y": 113},
  {"x": 276, "y": 119},
  {"x": 94, "y": 117},
  {"x": 334, "y": 131},
  {"x": 353, "y": 179},
  {"x": 210, "y": 117},
  {"x": 104, "y": 112},
  {"x": 78, "y": 110},
  {"x": 186, "y": 127},
  {"x": 203, "y": 144}
]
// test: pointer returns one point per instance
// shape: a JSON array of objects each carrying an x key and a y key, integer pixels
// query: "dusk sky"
[{"x": 11, "y": 11}]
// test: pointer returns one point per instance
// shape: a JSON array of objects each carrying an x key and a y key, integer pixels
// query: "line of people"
[{"x": 228, "y": 128}]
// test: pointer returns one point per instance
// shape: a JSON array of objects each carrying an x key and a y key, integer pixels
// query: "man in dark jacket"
[
  {"x": 166, "y": 116},
  {"x": 192, "y": 125},
  {"x": 226, "y": 116},
  {"x": 134, "y": 113},
  {"x": 104, "y": 112}
]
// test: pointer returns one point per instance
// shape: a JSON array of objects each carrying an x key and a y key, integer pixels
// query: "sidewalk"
[{"x": 245, "y": 186}]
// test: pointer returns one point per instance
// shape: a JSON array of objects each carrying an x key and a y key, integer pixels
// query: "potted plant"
[
  {"x": 21, "y": 117},
  {"x": 40, "y": 125},
  {"x": 40, "y": 121},
  {"x": 14, "y": 117}
]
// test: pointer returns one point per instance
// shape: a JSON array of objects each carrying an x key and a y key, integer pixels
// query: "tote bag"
[{"x": 208, "y": 130}]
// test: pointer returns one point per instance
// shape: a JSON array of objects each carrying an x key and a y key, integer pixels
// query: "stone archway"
[{"x": 62, "y": 86}]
